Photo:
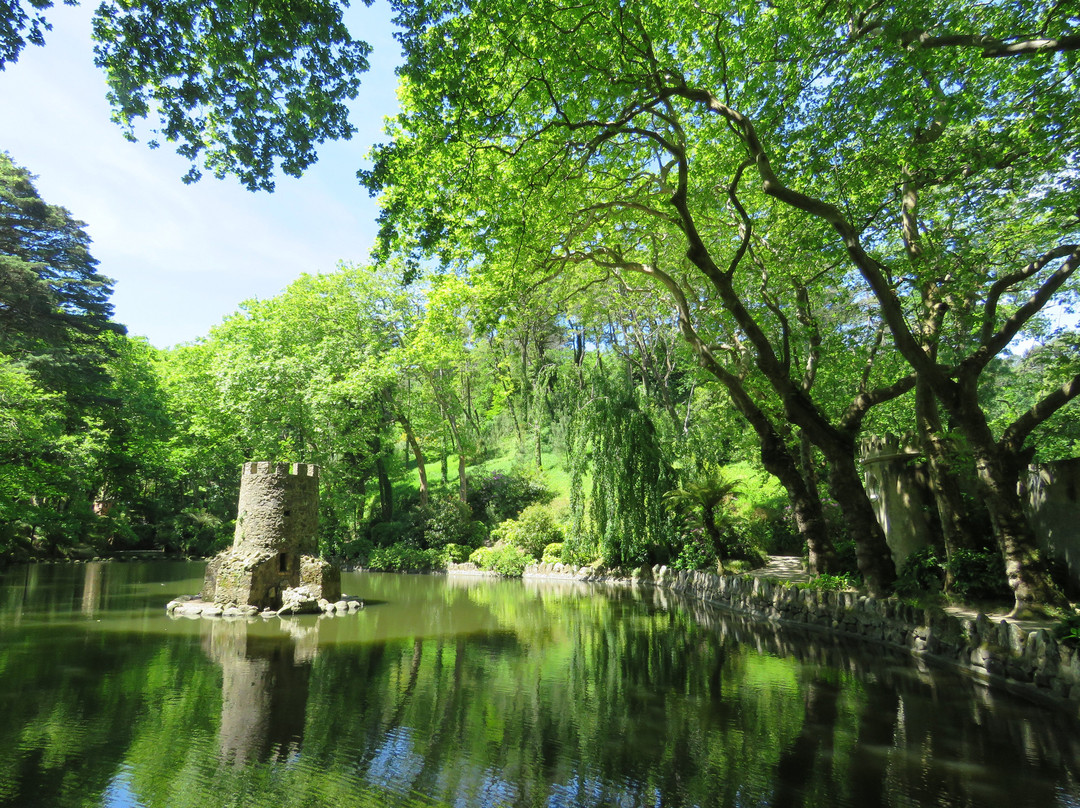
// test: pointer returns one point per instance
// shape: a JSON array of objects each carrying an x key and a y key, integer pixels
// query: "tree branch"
[
  {"x": 1021, "y": 428},
  {"x": 991, "y": 343},
  {"x": 1002, "y": 285},
  {"x": 993, "y": 48}
]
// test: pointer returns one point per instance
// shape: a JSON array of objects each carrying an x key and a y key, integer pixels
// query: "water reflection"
[
  {"x": 264, "y": 687},
  {"x": 91, "y": 596},
  {"x": 480, "y": 693}
]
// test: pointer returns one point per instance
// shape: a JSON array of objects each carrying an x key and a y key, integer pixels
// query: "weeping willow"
[{"x": 613, "y": 443}]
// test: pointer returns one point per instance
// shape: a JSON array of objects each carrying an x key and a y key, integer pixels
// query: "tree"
[
  {"x": 78, "y": 407},
  {"x": 54, "y": 306},
  {"x": 596, "y": 190},
  {"x": 615, "y": 443},
  {"x": 306, "y": 376},
  {"x": 710, "y": 495},
  {"x": 436, "y": 350},
  {"x": 22, "y": 24},
  {"x": 652, "y": 113}
]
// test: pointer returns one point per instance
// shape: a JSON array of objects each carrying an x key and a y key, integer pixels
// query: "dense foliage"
[{"x": 623, "y": 245}]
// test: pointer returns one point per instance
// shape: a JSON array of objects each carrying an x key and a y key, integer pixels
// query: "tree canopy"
[{"x": 239, "y": 88}]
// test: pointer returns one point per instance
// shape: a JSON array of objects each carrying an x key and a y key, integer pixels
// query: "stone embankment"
[{"x": 1028, "y": 660}]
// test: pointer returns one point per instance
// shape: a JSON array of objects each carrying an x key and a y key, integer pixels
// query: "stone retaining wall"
[{"x": 1030, "y": 661}]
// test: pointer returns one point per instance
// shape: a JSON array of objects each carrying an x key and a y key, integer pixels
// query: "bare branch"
[
  {"x": 993, "y": 343},
  {"x": 993, "y": 48},
  {"x": 862, "y": 403}
]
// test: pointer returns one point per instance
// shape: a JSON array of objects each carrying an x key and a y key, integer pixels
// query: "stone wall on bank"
[
  {"x": 1030, "y": 661},
  {"x": 897, "y": 483},
  {"x": 1051, "y": 492}
]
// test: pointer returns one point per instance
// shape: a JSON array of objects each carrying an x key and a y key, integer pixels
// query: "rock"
[
  {"x": 341, "y": 606},
  {"x": 176, "y": 602},
  {"x": 1015, "y": 639},
  {"x": 299, "y": 600}
]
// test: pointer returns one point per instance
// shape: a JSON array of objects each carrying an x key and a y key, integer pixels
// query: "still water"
[{"x": 473, "y": 692}]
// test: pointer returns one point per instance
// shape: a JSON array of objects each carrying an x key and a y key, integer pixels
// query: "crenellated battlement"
[
  {"x": 275, "y": 546},
  {"x": 280, "y": 469},
  {"x": 881, "y": 448}
]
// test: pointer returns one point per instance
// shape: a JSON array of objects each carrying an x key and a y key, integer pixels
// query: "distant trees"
[{"x": 81, "y": 413}]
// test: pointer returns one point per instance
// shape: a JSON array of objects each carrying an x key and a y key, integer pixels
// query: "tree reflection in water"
[{"x": 477, "y": 693}]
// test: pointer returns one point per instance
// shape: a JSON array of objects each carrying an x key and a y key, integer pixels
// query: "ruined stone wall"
[
  {"x": 896, "y": 486},
  {"x": 1052, "y": 497},
  {"x": 275, "y": 546},
  {"x": 278, "y": 509}
]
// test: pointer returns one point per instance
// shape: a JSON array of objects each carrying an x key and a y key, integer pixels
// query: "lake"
[{"x": 477, "y": 692}]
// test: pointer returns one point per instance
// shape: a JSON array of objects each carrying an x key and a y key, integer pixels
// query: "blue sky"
[{"x": 185, "y": 256}]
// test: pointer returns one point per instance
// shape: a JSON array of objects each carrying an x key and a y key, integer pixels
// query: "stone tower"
[{"x": 275, "y": 547}]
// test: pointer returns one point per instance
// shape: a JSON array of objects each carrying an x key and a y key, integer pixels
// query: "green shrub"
[
  {"x": 1067, "y": 630},
  {"x": 553, "y": 553},
  {"x": 195, "y": 531},
  {"x": 456, "y": 553},
  {"x": 978, "y": 575},
  {"x": 697, "y": 552},
  {"x": 384, "y": 534},
  {"x": 500, "y": 495},
  {"x": 579, "y": 550},
  {"x": 403, "y": 557},
  {"x": 447, "y": 520},
  {"x": 532, "y": 531},
  {"x": 481, "y": 557},
  {"x": 505, "y": 559},
  {"x": 830, "y": 583},
  {"x": 921, "y": 572}
]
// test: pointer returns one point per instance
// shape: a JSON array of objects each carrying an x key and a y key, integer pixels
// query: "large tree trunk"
[
  {"x": 822, "y": 558},
  {"x": 998, "y": 475},
  {"x": 421, "y": 463},
  {"x": 805, "y": 503},
  {"x": 956, "y": 529},
  {"x": 871, "y": 550}
]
